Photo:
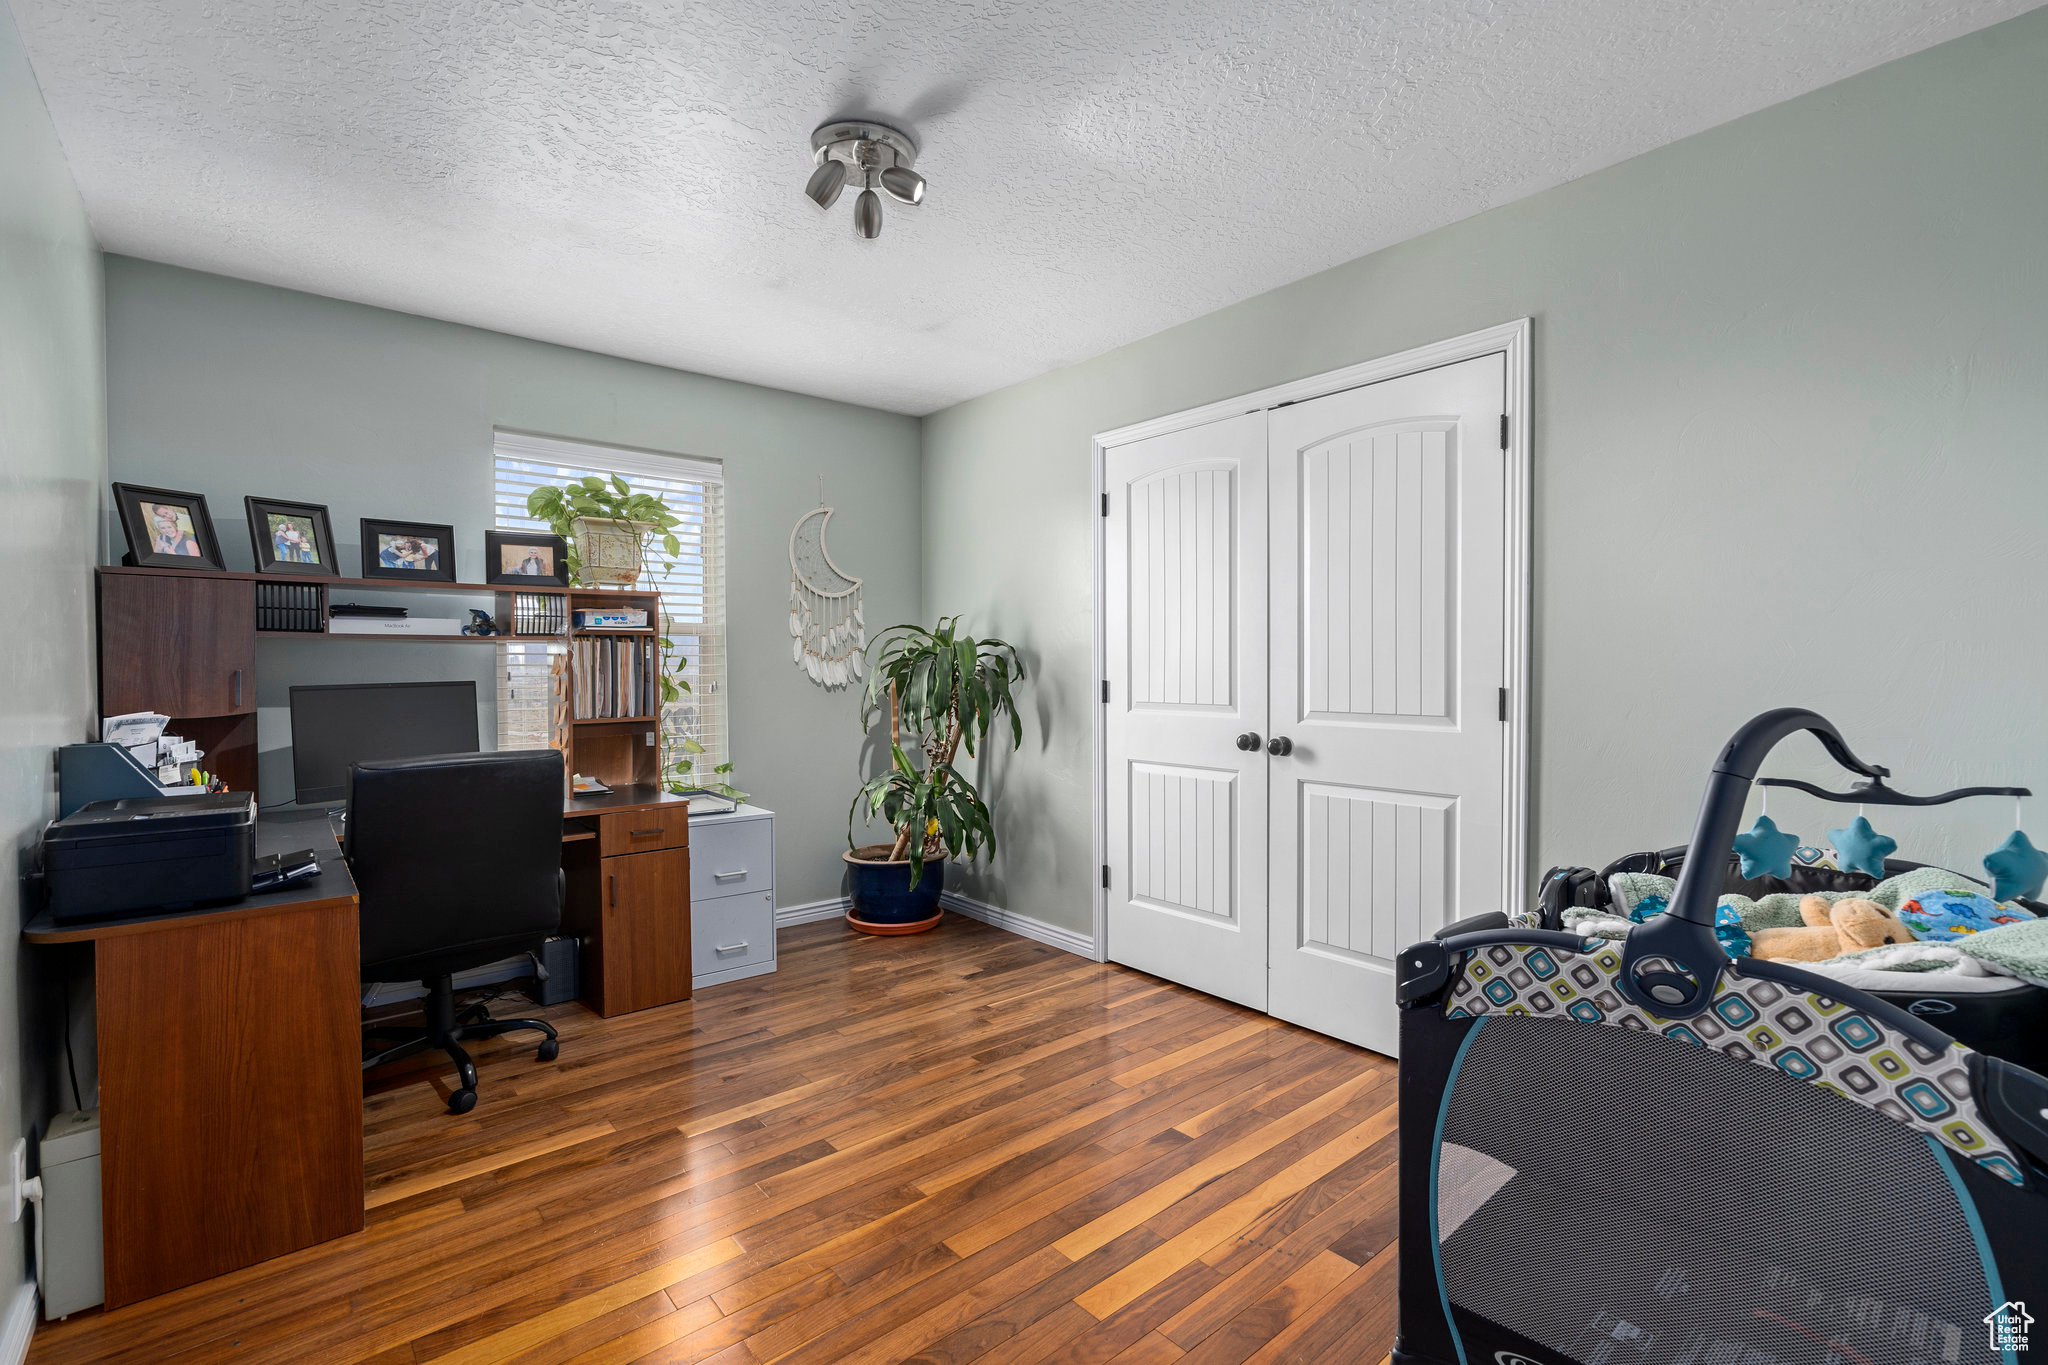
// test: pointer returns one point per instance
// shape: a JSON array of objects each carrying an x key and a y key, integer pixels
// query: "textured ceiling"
[{"x": 624, "y": 175}]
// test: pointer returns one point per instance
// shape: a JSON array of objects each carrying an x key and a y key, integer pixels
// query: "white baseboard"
[
  {"x": 20, "y": 1325},
  {"x": 1037, "y": 930},
  {"x": 811, "y": 911}
]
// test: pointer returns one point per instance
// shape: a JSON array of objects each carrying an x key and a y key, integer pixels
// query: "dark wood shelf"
[
  {"x": 368, "y": 584},
  {"x": 402, "y": 638},
  {"x": 207, "y": 687},
  {"x": 626, "y": 796},
  {"x": 422, "y": 639}
]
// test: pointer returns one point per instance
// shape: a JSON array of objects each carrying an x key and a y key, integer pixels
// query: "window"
[{"x": 692, "y": 586}]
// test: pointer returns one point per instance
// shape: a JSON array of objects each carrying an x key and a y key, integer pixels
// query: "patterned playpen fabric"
[{"x": 1805, "y": 1036}]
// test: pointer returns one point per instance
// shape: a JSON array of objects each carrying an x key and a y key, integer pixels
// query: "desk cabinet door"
[
  {"x": 182, "y": 646},
  {"x": 646, "y": 911}
]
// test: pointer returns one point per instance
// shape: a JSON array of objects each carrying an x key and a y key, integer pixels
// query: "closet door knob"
[
  {"x": 1279, "y": 746},
  {"x": 1247, "y": 742}
]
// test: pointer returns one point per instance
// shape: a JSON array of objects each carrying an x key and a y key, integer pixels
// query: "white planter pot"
[{"x": 610, "y": 551}]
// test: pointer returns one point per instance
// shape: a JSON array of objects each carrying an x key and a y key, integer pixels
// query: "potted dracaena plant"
[{"x": 945, "y": 688}]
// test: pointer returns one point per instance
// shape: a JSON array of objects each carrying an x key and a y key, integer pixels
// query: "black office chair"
[{"x": 458, "y": 861}]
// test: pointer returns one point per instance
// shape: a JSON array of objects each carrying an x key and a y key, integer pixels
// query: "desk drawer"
[
  {"x": 732, "y": 858},
  {"x": 639, "y": 831},
  {"x": 731, "y": 931}
]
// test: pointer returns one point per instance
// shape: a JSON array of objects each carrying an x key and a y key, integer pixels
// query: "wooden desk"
[
  {"x": 230, "y": 1053},
  {"x": 230, "y": 1065},
  {"x": 626, "y": 870}
]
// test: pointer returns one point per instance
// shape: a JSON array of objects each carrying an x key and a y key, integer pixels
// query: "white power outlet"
[{"x": 17, "y": 1183}]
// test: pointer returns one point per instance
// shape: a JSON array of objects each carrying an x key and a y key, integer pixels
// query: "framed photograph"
[
  {"x": 167, "y": 529},
  {"x": 412, "y": 550},
  {"x": 291, "y": 537},
  {"x": 516, "y": 557}
]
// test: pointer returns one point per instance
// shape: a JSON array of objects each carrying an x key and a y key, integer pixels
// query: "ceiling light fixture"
[{"x": 871, "y": 155}]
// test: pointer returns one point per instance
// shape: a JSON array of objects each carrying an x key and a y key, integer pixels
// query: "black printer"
[{"x": 139, "y": 855}]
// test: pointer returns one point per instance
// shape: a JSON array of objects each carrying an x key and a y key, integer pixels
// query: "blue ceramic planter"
[{"x": 882, "y": 893}]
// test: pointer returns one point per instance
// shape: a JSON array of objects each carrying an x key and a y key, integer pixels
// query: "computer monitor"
[{"x": 335, "y": 727}]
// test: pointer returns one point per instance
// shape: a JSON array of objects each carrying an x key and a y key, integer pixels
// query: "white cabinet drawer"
[
  {"x": 731, "y": 931},
  {"x": 727, "y": 859}
]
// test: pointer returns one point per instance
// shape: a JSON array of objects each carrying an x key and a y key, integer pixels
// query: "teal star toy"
[
  {"x": 1861, "y": 848},
  {"x": 1765, "y": 851},
  {"x": 2017, "y": 868}
]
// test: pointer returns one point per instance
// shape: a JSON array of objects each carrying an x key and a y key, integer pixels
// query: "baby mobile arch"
[
  {"x": 828, "y": 632},
  {"x": 2016, "y": 868}
]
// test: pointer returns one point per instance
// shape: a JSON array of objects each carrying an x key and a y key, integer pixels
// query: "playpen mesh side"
[{"x": 1673, "y": 1206}]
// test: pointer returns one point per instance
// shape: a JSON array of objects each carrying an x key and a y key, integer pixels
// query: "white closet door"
[
  {"x": 1185, "y": 626},
  {"x": 1388, "y": 549}
]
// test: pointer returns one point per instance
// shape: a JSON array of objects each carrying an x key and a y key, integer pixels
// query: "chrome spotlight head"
[
  {"x": 903, "y": 185},
  {"x": 826, "y": 182},
  {"x": 867, "y": 215}
]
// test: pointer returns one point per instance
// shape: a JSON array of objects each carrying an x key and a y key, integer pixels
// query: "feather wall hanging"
[{"x": 827, "y": 632}]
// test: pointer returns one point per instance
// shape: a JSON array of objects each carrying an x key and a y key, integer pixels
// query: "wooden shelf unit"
[
  {"x": 183, "y": 642},
  {"x": 619, "y": 751}
]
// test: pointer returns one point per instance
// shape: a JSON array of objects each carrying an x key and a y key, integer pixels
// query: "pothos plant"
[
  {"x": 649, "y": 518},
  {"x": 678, "y": 777},
  {"x": 946, "y": 689},
  {"x": 638, "y": 514}
]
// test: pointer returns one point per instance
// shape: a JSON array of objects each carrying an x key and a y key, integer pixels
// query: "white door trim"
[{"x": 1510, "y": 338}]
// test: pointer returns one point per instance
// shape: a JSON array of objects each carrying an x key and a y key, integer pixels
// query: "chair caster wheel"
[
  {"x": 461, "y": 1101},
  {"x": 548, "y": 1050}
]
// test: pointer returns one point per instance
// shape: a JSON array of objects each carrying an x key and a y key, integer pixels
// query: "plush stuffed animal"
[{"x": 1830, "y": 931}]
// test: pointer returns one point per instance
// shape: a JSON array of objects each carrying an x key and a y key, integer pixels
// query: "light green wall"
[
  {"x": 1790, "y": 445},
  {"x": 229, "y": 388},
  {"x": 53, "y": 463}
]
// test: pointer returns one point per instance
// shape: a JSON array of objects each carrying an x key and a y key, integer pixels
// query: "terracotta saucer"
[{"x": 914, "y": 927}]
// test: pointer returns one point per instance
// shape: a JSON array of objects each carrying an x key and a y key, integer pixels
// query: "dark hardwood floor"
[{"x": 959, "y": 1146}]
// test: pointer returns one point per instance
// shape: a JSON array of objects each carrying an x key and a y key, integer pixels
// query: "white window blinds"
[{"x": 692, "y": 585}]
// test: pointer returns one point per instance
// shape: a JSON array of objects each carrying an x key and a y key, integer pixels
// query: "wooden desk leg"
[{"x": 231, "y": 1099}]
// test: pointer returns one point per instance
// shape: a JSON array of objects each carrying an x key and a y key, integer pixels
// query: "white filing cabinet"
[{"x": 732, "y": 896}]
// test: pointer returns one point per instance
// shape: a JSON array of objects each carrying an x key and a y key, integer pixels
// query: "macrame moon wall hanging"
[{"x": 828, "y": 633}]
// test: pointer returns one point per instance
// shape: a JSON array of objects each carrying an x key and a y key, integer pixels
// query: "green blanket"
[{"x": 2019, "y": 950}]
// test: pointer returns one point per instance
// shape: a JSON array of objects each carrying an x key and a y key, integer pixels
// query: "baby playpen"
[{"x": 1647, "y": 1152}]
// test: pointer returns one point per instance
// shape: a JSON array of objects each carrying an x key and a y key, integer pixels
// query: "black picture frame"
[
  {"x": 377, "y": 538},
  {"x": 268, "y": 543},
  {"x": 170, "y": 551},
  {"x": 557, "y": 556}
]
